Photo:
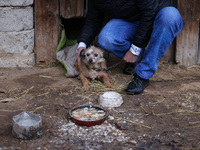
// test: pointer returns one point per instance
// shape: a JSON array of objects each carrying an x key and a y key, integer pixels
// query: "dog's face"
[
  {"x": 93, "y": 54},
  {"x": 92, "y": 65}
]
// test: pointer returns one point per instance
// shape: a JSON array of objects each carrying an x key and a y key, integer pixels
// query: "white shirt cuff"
[
  {"x": 82, "y": 44},
  {"x": 135, "y": 50}
]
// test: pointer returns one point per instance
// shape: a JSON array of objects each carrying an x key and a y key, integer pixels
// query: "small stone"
[
  {"x": 2, "y": 91},
  {"x": 122, "y": 125},
  {"x": 7, "y": 100},
  {"x": 111, "y": 118}
]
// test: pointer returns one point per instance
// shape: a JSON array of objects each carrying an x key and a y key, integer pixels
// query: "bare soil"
[{"x": 166, "y": 116}]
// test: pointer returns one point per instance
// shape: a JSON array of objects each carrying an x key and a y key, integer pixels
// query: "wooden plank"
[
  {"x": 189, "y": 9},
  {"x": 72, "y": 8},
  {"x": 199, "y": 52},
  {"x": 187, "y": 44},
  {"x": 46, "y": 30},
  {"x": 197, "y": 9},
  {"x": 170, "y": 53}
]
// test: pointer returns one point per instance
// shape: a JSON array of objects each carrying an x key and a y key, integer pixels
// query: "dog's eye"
[
  {"x": 88, "y": 54},
  {"x": 95, "y": 55}
]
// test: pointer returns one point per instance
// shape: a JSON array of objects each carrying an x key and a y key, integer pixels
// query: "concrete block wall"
[{"x": 16, "y": 33}]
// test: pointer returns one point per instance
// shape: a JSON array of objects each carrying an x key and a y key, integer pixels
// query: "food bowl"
[
  {"x": 88, "y": 115},
  {"x": 110, "y": 99},
  {"x": 27, "y": 126}
]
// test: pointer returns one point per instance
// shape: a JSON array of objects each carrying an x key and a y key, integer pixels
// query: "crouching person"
[{"x": 139, "y": 33}]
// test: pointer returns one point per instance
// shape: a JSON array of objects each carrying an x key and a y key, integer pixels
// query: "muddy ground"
[{"x": 165, "y": 117}]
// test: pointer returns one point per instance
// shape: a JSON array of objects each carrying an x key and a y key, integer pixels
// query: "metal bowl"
[{"x": 85, "y": 122}]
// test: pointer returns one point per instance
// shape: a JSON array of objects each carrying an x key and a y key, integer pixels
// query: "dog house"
[{"x": 49, "y": 16}]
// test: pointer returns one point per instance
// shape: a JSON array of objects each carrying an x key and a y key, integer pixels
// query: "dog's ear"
[
  {"x": 82, "y": 53},
  {"x": 102, "y": 54}
]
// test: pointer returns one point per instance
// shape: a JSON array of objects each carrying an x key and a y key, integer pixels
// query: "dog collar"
[{"x": 96, "y": 69}]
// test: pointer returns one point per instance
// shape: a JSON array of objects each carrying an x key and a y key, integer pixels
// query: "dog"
[{"x": 92, "y": 66}]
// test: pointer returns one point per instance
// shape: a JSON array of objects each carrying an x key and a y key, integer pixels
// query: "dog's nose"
[{"x": 90, "y": 60}]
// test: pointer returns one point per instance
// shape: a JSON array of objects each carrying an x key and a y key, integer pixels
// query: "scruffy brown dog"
[{"x": 92, "y": 65}]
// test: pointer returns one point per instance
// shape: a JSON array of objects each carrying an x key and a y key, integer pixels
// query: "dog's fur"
[{"x": 92, "y": 65}]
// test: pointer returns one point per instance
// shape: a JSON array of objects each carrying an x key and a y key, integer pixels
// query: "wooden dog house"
[{"x": 184, "y": 50}]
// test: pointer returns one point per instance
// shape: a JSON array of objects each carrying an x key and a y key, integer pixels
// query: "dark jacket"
[{"x": 130, "y": 10}]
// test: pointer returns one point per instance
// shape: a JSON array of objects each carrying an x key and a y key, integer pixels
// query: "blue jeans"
[{"x": 117, "y": 35}]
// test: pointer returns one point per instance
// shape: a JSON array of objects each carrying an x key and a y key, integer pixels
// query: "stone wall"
[{"x": 16, "y": 33}]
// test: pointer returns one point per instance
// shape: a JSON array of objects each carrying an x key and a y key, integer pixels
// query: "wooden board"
[
  {"x": 197, "y": 9},
  {"x": 199, "y": 52},
  {"x": 46, "y": 30},
  {"x": 72, "y": 8},
  {"x": 188, "y": 40},
  {"x": 189, "y": 9},
  {"x": 187, "y": 44},
  {"x": 170, "y": 53}
]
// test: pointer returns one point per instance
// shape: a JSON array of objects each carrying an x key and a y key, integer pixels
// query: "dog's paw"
[
  {"x": 86, "y": 87},
  {"x": 111, "y": 87}
]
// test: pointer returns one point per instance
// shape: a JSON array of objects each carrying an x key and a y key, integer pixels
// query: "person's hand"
[
  {"x": 129, "y": 57},
  {"x": 79, "y": 51}
]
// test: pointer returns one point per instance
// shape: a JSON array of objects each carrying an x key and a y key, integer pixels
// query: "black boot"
[
  {"x": 129, "y": 68},
  {"x": 137, "y": 85}
]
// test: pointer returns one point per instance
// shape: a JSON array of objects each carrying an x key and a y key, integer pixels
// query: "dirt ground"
[{"x": 166, "y": 116}]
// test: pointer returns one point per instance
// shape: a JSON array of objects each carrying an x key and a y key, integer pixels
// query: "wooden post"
[
  {"x": 187, "y": 44},
  {"x": 187, "y": 40},
  {"x": 170, "y": 53},
  {"x": 46, "y": 30},
  {"x": 72, "y": 8},
  {"x": 199, "y": 50}
]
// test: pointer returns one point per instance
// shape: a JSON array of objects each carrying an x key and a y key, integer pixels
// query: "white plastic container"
[{"x": 110, "y": 99}]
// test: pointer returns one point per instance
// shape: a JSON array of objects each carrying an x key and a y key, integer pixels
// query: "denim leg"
[
  {"x": 117, "y": 35},
  {"x": 167, "y": 25}
]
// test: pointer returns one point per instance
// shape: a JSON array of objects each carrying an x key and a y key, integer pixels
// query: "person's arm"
[
  {"x": 93, "y": 23},
  {"x": 148, "y": 10},
  {"x": 132, "y": 54}
]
